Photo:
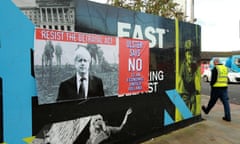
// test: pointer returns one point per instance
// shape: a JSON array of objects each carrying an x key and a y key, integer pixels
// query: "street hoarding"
[{"x": 143, "y": 74}]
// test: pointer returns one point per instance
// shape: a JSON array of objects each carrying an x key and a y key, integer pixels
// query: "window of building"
[{"x": 69, "y": 28}]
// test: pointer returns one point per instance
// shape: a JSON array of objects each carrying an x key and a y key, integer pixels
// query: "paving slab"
[{"x": 212, "y": 130}]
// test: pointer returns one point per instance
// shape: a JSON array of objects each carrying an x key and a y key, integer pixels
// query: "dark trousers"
[{"x": 221, "y": 93}]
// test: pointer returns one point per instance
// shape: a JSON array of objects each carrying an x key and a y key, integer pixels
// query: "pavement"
[{"x": 212, "y": 130}]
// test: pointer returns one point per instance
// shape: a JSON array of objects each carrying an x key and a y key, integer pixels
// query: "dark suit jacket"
[{"x": 68, "y": 88}]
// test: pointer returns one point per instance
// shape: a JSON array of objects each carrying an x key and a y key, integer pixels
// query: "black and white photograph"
[
  {"x": 71, "y": 70},
  {"x": 86, "y": 130}
]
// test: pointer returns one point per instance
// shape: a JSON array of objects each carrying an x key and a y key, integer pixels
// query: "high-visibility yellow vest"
[{"x": 222, "y": 79}]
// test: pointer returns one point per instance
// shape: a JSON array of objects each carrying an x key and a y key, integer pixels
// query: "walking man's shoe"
[
  {"x": 204, "y": 110},
  {"x": 226, "y": 119}
]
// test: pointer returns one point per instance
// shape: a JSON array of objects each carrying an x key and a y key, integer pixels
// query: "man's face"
[{"x": 82, "y": 64}]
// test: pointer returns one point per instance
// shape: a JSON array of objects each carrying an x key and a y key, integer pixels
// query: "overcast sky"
[{"x": 219, "y": 20}]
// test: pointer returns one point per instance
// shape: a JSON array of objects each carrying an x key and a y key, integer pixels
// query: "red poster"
[
  {"x": 57, "y": 35},
  {"x": 133, "y": 66}
]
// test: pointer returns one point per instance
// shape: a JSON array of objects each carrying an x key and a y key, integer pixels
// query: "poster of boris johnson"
[{"x": 79, "y": 66}]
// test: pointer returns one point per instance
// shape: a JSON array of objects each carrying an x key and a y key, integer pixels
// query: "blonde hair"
[{"x": 82, "y": 51}]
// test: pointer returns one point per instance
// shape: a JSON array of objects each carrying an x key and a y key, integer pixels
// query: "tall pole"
[{"x": 192, "y": 11}]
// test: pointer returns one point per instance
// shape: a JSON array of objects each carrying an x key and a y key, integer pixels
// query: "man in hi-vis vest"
[{"x": 219, "y": 84}]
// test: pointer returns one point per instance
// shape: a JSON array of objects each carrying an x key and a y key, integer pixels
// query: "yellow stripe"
[
  {"x": 29, "y": 140},
  {"x": 177, "y": 50},
  {"x": 178, "y": 116}
]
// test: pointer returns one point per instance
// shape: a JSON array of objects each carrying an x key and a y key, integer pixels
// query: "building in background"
[
  {"x": 57, "y": 14},
  {"x": 60, "y": 14}
]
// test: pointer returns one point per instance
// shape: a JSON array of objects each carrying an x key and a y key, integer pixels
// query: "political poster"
[
  {"x": 134, "y": 66},
  {"x": 59, "y": 62}
]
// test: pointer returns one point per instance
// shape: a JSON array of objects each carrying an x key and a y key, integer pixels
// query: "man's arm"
[
  {"x": 60, "y": 93},
  {"x": 213, "y": 76},
  {"x": 101, "y": 88}
]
